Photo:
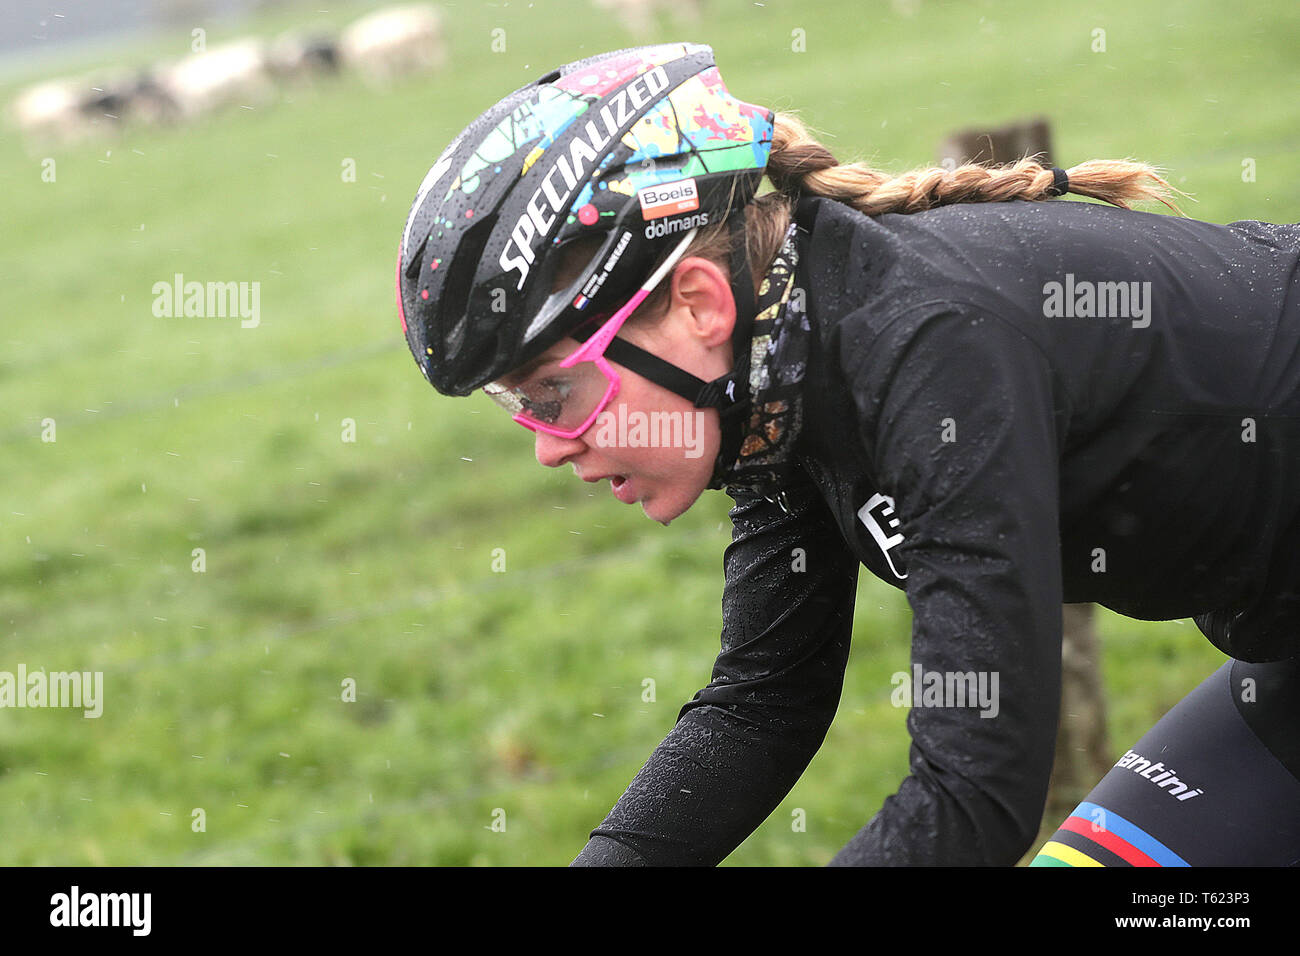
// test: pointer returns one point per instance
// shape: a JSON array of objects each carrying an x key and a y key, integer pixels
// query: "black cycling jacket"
[{"x": 1009, "y": 406}]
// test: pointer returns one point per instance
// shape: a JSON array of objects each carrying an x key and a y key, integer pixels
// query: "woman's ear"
[{"x": 701, "y": 295}]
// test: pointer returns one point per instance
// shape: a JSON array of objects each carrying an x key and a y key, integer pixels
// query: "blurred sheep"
[
  {"x": 50, "y": 112},
  {"x": 234, "y": 74},
  {"x": 394, "y": 41},
  {"x": 297, "y": 56}
]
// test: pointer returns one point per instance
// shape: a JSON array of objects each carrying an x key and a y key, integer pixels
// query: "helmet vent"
[
  {"x": 460, "y": 278},
  {"x": 413, "y": 267}
]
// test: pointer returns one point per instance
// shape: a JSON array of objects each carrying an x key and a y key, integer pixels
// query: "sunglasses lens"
[{"x": 559, "y": 399}]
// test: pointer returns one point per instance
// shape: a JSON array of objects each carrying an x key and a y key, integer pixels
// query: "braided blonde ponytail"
[{"x": 799, "y": 163}]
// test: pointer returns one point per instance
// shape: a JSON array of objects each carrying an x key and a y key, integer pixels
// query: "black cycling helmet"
[{"x": 637, "y": 147}]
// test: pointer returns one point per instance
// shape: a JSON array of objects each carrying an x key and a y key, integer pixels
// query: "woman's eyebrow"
[{"x": 527, "y": 369}]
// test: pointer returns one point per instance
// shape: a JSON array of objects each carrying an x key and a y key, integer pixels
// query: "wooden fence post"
[{"x": 1082, "y": 751}]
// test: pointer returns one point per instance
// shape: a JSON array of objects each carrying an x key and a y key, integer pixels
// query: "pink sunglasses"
[{"x": 566, "y": 403}]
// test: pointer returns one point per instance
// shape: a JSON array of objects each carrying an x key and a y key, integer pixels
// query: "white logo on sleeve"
[{"x": 882, "y": 521}]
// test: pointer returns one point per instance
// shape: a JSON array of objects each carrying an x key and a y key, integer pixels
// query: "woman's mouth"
[{"x": 621, "y": 485}]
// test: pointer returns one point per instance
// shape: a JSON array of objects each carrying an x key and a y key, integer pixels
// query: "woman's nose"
[{"x": 553, "y": 451}]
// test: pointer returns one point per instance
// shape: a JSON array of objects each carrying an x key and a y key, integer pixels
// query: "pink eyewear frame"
[{"x": 593, "y": 350}]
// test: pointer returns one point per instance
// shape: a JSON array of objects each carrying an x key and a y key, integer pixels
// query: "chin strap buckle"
[{"x": 721, "y": 393}]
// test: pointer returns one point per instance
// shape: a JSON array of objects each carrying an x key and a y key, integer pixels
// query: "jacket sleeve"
[
  {"x": 743, "y": 741},
  {"x": 958, "y": 415}
]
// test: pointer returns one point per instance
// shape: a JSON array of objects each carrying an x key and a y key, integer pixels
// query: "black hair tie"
[{"x": 1060, "y": 182}]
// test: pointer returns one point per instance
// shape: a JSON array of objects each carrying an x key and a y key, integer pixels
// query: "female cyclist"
[{"x": 995, "y": 403}]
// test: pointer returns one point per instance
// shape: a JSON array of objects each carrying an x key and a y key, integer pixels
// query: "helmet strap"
[
  {"x": 733, "y": 388},
  {"x": 729, "y": 393},
  {"x": 718, "y": 393},
  {"x": 648, "y": 365}
]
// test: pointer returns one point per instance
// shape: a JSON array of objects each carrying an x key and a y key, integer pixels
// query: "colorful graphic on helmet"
[
  {"x": 557, "y": 106},
  {"x": 547, "y": 118},
  {"x": 601, "y": 78},
  {"x": 699, "y": 116},
  {"x": 698, "y": 128},
  {"x": 562, "y": 159}
]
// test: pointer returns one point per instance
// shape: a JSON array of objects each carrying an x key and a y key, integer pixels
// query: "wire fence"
[
  {"x": 246, "y": 851},
  {"x": 287, "y": 372},
  {"x": 426, "y": 599},
  {"x": 236, "y": 383}
]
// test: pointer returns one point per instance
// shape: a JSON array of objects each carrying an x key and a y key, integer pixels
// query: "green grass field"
[{"x": 371, "y": 561}]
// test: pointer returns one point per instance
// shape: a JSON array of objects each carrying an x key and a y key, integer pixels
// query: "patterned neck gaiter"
[{"x": 778, "y": 359}]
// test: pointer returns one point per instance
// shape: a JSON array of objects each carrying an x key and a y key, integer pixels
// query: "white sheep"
[
  {"x": 234, "y": 74},
  {"x": 394, "y": 41},
  {"x": 50, "y": 112}
]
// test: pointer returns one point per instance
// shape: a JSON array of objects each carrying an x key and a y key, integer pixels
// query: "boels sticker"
[{"x": 668, "y": 199}]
